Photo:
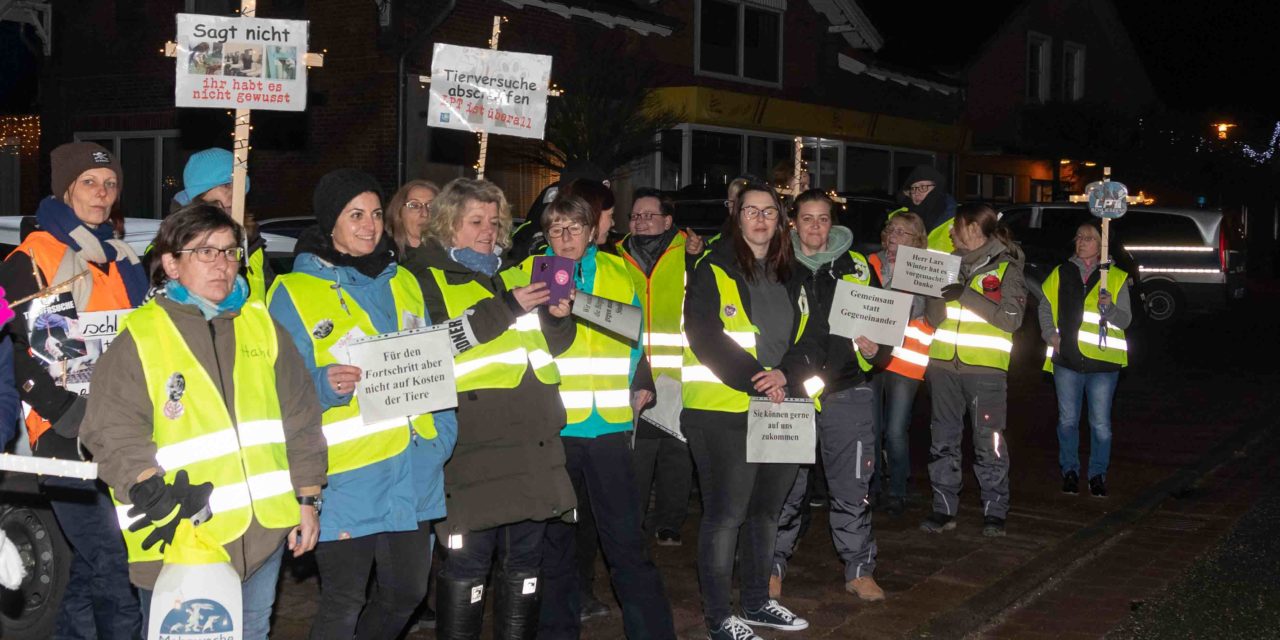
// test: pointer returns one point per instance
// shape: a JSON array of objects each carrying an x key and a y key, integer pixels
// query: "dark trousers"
[
  {"x": 518, "y": 546},
  {"x": 896, "y": 395},
  {"x": 983, "y": 395},
  {"x": 737, "y": 497},
  {"x": 587, "y": 542},
  {"x": 99, "y": 601},
  {"x": 401, "y": 562},
  {"x": 665, "y": 462},
  {"x": 603, "y": 467}
]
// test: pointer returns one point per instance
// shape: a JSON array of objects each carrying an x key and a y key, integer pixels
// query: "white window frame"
[
  {"x": 740, "y": 76},
  {"x": 1002, "y": 178},
  {"x": 158, "y": 136},
  {"x": 1040, "y": 93},
  {"x": 967, "y": 193},
  {"x": 1075, "y": 92}
]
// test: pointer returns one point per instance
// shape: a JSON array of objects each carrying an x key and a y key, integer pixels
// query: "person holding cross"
[{"x": 1083, "y": 322}]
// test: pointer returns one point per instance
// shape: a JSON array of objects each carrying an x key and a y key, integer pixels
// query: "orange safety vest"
[
  {"x": 912, "y": 357},
  {"x": 108, "y": 294}
]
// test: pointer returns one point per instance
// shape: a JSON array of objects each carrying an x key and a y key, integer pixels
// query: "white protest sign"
[
  {"x": 489, "y": 91},
  {"x": 619, "y": 318},
  {"x": 879, "y": 315},
  {"x": 665, "y": 413},
  {"x": 241, "y": 63},
  {"x": 404, "y": 373},
  {"x": 923, "y": 271},
  {"x": 783, "y": 432}
]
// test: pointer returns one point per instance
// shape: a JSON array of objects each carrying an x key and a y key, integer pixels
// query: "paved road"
[{"x": 1183, "y": 396}]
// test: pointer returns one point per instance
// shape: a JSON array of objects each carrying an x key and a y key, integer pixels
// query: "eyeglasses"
[
  {"x": 921, "y": 188},
  {"x": 207, "y": 254},
  {"x": 415, "y": 205},
  {"x": 898, "y": 232},
  {"x": 573, "y": 230},
  {"x": 751, "y": 213},
  {"x": 645, "y": 216}
]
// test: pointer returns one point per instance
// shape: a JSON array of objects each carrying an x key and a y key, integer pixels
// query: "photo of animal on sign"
[{"x": 405, "y": 373}]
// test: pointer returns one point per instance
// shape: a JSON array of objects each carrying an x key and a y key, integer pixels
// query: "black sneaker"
[
  {"x": 733, "y": 629},
  {"x": 895, "y": 505},
  {"x": 1098, "y": 486},
  {"x": 775, "y": 616},
  {"x": 937, "y": 523},
  {"x": 592, "y": 608},
  {"x": 993, "y": 527},
  {"x": 668, "y": 538},
  {"x": 1071, "y": 482}
]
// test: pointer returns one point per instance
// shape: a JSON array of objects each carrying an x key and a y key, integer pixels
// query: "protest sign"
[
  {"x": 924, "y": 272},
  {"x": 619, "y": 318},
  {"x": 241, "y": 63},
  {"x": 783, "y": 432},
  {"x": 879, "y": 315},
  {"x": 404, "y": 373},
  {"x": 489, "y": 91},
  {"x": 665, "y": 413}
]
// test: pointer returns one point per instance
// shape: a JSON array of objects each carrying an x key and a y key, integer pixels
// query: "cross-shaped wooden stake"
[
  {"x": 484, "y": 135},
  {"x": 240, "y": 145}
]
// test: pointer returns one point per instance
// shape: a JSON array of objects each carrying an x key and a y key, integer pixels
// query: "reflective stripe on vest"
[
  {"x": 911, "y": 359},
  {"x": 501, "y": 362},
  {"x": 702, "y": 389},
  {"x": 245, "y": 458},
  {"x": 966, "y": 335},
  {"x": 1090, "y": 338},
  {"x": 255, "y": 275},
  {"x": 327, "y": 318},
  {"x": 662, "y": 298},
  {"x": 595, "y": 371}
]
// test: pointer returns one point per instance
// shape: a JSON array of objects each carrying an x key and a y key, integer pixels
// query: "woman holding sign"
[
  {"x": 1083, "y": 322},
  {"x": 968, "y": 365},
  {"x": 507, "y": 478},
  {"x": 385, "y": 479},
  {"x": 202, "y": 402},
  {"x": 743, "y": 311}
]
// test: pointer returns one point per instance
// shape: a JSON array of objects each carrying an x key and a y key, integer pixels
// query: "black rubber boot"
[
  {"x": 459, "y": 608},
  {"x": 517, "y": 598}
]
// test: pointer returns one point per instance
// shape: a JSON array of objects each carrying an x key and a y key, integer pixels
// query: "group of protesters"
[{"x": 227, "y": 397}]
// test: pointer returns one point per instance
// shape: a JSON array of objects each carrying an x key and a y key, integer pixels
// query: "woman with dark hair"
[
  {"x": 77, "y": 246},
  {"x": 969, "y": 363},
  {"x": 743, "y": 312},
  {"x": 202, "y": 395},
  {"x": 408, "y": 212},
  {"x": 386, "y": 479},
  {"x": 600, "y": 198}
]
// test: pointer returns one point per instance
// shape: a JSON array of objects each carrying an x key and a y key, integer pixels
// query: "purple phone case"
[{"x": 557, "y": 272}]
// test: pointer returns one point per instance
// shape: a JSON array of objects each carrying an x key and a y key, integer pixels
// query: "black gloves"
[
  {"x": 951, "y": 292},
  {"x": 163, "y": 505}
]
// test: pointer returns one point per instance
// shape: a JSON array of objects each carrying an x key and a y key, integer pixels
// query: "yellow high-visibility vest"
[
  {"x": 1088, "y": 338},
  {"x": 662, "y": 298},
  {"x": 965, "y": 334}
]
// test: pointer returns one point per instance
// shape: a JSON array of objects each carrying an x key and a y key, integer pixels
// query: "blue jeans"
[
  {"x": 258, "y": 596},
  {"x": 1100, "y": 388},
  {"x": 897, "y": 395}
]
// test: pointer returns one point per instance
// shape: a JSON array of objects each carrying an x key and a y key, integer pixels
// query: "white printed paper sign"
[
  {"x": 924, "y": 272},
  {"x": 483, "y": 90},
  {"x": 783, "y": 432},
  {"x": 404, "y": 373},
  {"x": 622, "y": 319},
  {"x": 665, "y": 413},
  {"x": 241, "y": 63},
  {"x": 879, "y": 315}
]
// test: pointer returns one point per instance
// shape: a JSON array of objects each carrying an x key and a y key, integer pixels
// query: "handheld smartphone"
[{"x": 557, "y": 272}]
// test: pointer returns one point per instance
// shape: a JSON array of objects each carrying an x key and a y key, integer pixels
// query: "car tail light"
[{"x": 1222, "y": 247}]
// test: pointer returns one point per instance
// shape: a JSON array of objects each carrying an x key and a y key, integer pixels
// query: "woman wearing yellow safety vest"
[
  {"x": 386, "y": 483},
  {"x": 1083, "y": 323},
  {"x": 601, "y": 389},
  {"x": 507, "y": 477},
  {"x": 203, "y": 403},
  {"x": 968, "y": 365},
  {"x": 742, "y": 311}
]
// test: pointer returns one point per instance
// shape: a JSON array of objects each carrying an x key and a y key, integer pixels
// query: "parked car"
[
  {"x": 291, "y": 226},
  {"x": 25, "y": 515},
  {"x": 1181, "y": 259}
]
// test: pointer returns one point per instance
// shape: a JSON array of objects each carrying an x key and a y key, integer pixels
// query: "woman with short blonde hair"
[{"x": 448, "y": 208}]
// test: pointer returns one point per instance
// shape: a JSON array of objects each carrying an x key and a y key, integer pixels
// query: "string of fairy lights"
[{"x": 25, "y": 130}]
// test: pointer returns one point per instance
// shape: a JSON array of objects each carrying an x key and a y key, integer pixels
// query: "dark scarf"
[
  {"x": 313, "y": 240},
  {"x": 94, "y": 245},
  {"x": 647, "y": 249}
]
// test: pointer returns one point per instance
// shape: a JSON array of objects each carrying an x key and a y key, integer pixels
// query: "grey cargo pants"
[
  {"x": 983, "y": 396},
  {"x": 846, "y": 440}
]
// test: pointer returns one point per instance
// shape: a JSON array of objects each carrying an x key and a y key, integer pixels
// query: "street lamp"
[{"x": 1222, "y": 128}]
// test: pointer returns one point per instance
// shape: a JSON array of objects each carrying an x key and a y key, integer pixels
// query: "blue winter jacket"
[
  {"x": 395, "y": 494},
  {"x": 10, "y": 411}
]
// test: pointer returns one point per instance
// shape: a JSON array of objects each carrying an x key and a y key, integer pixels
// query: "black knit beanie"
[{"x": 335, "y": 190}]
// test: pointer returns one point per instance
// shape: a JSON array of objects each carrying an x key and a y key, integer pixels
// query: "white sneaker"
[
  {"x": 733, "y": 628},
  {"x": 775, "y": 616}
]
